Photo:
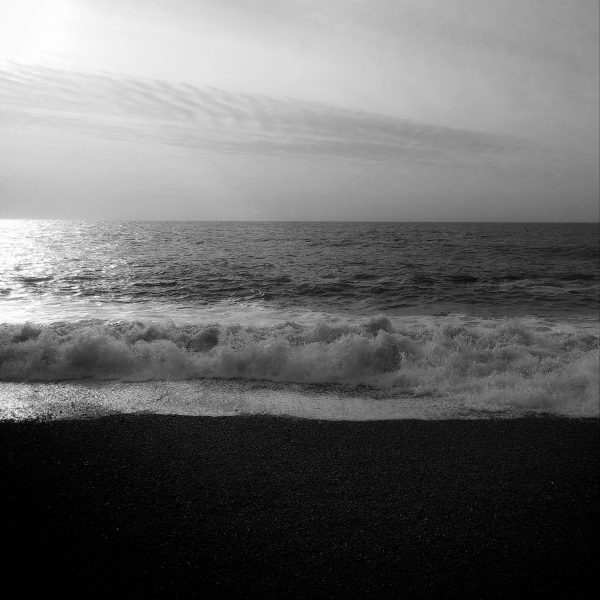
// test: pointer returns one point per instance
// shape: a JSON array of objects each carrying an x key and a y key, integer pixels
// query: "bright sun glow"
[{"x": 32, "y": 30}]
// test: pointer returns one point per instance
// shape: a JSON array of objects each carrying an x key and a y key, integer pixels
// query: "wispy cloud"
[{"x": 215, "y": 120}]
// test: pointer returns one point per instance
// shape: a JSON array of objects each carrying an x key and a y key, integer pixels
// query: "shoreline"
[{"x": 179, "y": 506}]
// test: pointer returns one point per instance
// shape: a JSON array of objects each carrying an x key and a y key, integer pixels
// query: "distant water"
[
  {"x": 549, "y": 269},
  {"x": 507, "y": 313}
]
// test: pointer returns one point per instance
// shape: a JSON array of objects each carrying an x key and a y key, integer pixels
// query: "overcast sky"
[{"x": 409, "y": 110}]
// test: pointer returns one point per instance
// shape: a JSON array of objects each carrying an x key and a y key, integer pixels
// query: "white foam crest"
[{"x": 492, "y": 365}]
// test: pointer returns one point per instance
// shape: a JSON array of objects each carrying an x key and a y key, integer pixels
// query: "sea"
[{"x": 319, "y": 320}]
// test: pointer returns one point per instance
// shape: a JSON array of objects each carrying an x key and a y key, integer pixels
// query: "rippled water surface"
[{"x": 544, "y": 269}]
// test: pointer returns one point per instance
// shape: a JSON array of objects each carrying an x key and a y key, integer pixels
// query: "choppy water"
[
  {"x": 510, "y": 269},
  {"x": 494, "y": 317}
]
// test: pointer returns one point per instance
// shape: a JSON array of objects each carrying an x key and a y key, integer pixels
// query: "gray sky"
[{"x": 300, "y": 109}]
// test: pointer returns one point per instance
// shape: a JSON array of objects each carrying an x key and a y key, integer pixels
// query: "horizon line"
[{"x": 168, "y": 220}]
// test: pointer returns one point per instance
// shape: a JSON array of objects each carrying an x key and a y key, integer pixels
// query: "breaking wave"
[{"x": 508, "y": 364}]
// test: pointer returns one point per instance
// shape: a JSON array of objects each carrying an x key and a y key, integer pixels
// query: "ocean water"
[{"x": 326, "y": 320}]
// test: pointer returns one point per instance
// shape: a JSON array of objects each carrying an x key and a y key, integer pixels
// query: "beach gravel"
[{"x": 171, "y": 506}]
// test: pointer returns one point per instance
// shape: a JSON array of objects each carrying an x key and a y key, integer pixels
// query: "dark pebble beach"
[{"x": 234, "y": 507}]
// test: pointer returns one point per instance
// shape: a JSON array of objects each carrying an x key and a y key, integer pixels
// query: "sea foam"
[{"x": 505, "y": 364}]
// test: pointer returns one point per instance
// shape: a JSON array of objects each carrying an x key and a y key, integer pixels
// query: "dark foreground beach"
[{"x": 260, "y": 506}]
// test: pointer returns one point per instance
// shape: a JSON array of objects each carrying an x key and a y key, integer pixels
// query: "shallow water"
[{"x": 218, "y": 398}]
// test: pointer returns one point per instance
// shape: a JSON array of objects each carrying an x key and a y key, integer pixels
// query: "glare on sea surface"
[
  {"x": 18, "y": 243},
  {"x": 32, "y": 253}
]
